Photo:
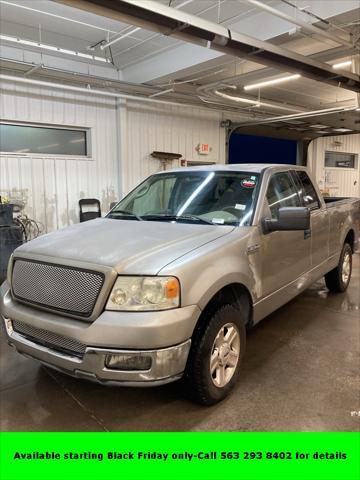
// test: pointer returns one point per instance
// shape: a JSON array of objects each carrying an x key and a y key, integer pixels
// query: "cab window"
[
  {"x": 281, "y": 192},
  {"x": 309, "y": 195}
]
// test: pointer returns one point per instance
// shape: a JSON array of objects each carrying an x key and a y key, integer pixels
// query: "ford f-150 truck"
[{"x": 166, "y": 285}]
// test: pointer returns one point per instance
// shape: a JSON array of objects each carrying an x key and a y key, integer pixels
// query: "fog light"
[
  {"x": 128, "y": 361},
  {"x": 9, "y": 327}
]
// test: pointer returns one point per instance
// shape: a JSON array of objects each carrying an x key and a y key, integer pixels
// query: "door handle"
[{"x": 307, "y": 234}]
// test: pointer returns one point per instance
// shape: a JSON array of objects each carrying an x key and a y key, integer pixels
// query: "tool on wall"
[{"x": 165, "y": 158}]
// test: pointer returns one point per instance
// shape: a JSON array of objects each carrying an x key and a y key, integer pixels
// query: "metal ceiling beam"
[{"x": 168, "y": 21}]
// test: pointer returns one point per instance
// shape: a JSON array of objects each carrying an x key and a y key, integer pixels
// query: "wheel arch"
[
  {"x": 350, "y": 239},
  {"x": 235, "y": 294}
]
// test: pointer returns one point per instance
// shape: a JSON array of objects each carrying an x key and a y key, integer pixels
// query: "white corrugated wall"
[
  {"x": 51, "y": 187},
  {"x": 154, "y": 127},
  {"x": 338, "y": 181}
]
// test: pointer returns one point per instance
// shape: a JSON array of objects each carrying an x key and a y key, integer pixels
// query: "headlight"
[{"x": 144, "y": 293}]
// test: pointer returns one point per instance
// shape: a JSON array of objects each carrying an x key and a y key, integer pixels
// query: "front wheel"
[
  {"x": 338, "y": 279},
  {"x": 216, "y": 354}
]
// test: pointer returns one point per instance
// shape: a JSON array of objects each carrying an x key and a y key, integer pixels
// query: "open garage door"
[{"x": 260, "y": 149}]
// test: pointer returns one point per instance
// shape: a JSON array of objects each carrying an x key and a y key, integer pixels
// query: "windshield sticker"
[
  {"x": 248, "y": 183},
  {"x": 240, "y": 206},
  {"x": 218, "y": 220}
]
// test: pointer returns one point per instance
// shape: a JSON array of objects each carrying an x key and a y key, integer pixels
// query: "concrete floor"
[{"x": 301, "y": 373}]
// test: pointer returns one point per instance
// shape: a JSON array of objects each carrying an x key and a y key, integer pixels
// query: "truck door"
[
  {"x": 319, "y": 230},
  {"x": 286, "y": 255}
]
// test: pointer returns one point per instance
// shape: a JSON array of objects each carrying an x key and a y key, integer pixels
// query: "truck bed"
[{"x": 335, "y": 201}]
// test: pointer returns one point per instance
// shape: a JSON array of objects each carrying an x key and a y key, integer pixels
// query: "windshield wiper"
[
  {"x": 186, "y": 216},
  {"x": 124, "y": 212},
  {"x": 189, "y": 216}
]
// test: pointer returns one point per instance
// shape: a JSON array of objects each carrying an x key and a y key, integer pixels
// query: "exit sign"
[{"x": 203, "y": 149}]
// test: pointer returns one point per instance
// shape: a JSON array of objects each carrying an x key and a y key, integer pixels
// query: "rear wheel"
[
  {"x": 216, "y": 355},
  {"x": 338, "y": 279}
]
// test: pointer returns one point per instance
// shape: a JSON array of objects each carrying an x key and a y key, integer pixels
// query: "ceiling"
[{"x": 155, "y": 65}]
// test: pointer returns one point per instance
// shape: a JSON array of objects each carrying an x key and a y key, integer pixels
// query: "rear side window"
[
  {"x": 309, "y": 195},
  {"x": 281, "y": 192}
]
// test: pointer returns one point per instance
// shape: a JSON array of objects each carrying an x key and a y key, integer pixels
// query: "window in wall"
[
  {"x": 16, "y": 138},
  {"x": 340, "y": 160},
  {"x": 281, "y": 192}
]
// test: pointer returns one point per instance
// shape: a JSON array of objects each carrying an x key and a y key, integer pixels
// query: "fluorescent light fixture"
[
  {"x": 319, "y": 125},
  {"x": 342, "y": 64},
  {"x": 274, "y": 81},
  {"x": 45, "y": 46},
  {"x": 27, "y": 42},
  {"x": 342, "y": 130}
]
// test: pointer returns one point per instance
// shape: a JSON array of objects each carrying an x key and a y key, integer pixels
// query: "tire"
[
  {"x": 338, "y": 279},
  {"x": 205, "y": 387}
]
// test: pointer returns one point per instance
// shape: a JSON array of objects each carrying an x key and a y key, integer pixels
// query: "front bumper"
[
  {"x": 167, "y": 364},
  {"x": 141, "y": 333}
]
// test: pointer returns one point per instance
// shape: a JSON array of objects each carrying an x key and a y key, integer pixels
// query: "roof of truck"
[{"x": 238, "y": 167}]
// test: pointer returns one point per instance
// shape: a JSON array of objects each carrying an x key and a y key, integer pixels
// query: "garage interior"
[{"x": 102, "y": 86}]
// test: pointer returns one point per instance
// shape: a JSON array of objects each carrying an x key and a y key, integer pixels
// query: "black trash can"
[
  {"x": 11, "y": 237},
  {"x": 6, "y": 214}
]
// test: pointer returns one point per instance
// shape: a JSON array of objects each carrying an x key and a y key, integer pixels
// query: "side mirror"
[{"x": 289, "y": 218}]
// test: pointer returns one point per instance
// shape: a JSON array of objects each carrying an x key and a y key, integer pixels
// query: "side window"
[
  {"x": 308, "y": 191},
  {"x": 281, "y": 192}
]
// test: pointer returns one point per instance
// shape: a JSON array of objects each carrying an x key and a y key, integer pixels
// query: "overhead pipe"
[
  {"x": 168, "y": 21},
  {"x": 296, "y": 21}
]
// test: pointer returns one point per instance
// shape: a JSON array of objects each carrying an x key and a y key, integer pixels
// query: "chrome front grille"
[
  {"x": 56, "y": 287},
  {"x": 50, "y": 339}
]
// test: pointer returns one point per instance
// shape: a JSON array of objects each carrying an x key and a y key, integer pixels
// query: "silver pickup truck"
[{"x": 167, "y": 283}]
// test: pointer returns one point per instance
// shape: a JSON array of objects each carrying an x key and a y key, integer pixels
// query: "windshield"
[{"x": 214, "y": 197}]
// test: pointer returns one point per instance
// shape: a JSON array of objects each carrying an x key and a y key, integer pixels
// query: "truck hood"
[{"x": 128, "y": 246}]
